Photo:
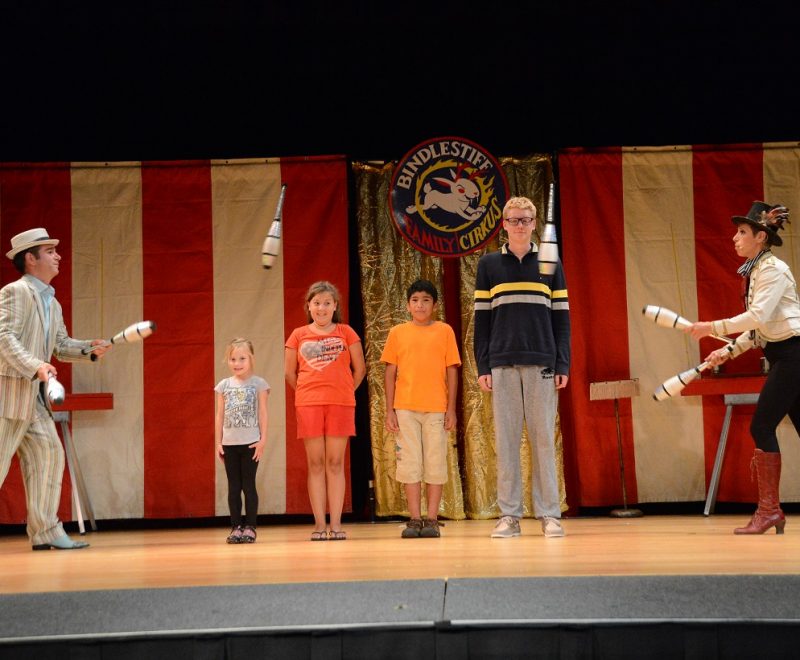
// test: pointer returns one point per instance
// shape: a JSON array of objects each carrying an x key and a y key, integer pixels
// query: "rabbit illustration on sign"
[{"x": 457, "y": 198}]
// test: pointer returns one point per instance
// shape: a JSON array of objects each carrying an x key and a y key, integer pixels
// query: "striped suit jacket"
[{"x": 23, "y": 346}]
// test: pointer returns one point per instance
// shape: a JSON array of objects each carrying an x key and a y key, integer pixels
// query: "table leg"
[
  {"x": 80, "y": 496},
  {"x": 713, "y": 485}
]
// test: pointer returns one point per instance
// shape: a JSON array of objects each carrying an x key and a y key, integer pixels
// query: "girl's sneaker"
[
  {"x": 236, "y": 535},
  {"x": 248, "y": 534}
]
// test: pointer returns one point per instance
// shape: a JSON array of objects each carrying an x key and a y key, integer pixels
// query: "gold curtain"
[{"x": 388, "y": 265}]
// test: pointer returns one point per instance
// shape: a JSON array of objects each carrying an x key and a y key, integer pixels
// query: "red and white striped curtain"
[
  {"x": 178, "y": 243},
  {"x": 653, "y": 226}
]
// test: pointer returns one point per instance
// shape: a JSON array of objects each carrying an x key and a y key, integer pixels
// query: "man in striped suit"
[{"x": 31, "y": 331}]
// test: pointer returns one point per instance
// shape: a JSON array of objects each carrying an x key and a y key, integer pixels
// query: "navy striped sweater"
[{"x": 521, "y": 317}]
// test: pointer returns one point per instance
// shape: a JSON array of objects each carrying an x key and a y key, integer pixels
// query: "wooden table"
[
  {"x": 61, "y": 414},
  {"x": 736, "y": 391}
]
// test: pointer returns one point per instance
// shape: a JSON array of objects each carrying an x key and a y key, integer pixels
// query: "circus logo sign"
[{"x": 447, "y": 196}]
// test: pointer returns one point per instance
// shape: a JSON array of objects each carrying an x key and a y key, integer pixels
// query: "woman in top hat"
[{"x": 771, "y": 320}]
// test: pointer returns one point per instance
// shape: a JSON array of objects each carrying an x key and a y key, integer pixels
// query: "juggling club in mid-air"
[
  {"x": 548, "y": 245},
  {"x": 272, "y": 243}
]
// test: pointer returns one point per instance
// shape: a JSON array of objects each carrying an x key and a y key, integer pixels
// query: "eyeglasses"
[{"x": 519, "y": 221}]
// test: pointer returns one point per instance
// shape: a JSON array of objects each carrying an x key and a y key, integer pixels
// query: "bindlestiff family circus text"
[{"x": 447, "y": 196}]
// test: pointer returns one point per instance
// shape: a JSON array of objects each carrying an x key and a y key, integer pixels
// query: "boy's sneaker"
[
  {"x": 430, "y": 528},
  {"x": 506, "y": 527},
  {"x": 248, "y": 534},
  {"x": 552, "y": 527},
  {"x": 236, "y": 535},
  {"x": 413, "y": 529}
]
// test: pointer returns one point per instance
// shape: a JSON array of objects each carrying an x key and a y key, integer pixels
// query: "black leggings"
[
  {"x": 241, "y": 470},
  {"x": 780, "y": 395}
]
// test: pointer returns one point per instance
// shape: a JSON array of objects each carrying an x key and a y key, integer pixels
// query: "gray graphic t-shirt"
[{"x": 240, "y": 426}]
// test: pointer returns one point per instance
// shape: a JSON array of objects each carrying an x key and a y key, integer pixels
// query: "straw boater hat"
[
  {"x": 765, "y": 217},
  {"x": 29, "y": 239}
]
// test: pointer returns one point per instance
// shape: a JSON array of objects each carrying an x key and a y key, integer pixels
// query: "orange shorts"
[{"x": 329, "y": 421}]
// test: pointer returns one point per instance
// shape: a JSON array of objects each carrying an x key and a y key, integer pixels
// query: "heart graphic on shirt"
[{"x": 322, "y": 352}]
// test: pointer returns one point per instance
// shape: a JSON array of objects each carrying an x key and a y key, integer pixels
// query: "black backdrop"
[{"x": 162, "y": 79}]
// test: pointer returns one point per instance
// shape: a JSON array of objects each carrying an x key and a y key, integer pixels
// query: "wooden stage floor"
[{"x": 652, "y": 545}]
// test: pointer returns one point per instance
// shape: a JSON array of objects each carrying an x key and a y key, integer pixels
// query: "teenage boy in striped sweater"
[{"x": 522, "y": 333}]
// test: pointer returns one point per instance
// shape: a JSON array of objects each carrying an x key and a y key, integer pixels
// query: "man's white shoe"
[
  {"x": 506, "y": 527},
  {"x": 552, "y": 527}
]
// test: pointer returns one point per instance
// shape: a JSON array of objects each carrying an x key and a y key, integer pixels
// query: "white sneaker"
[
  {"x": 506, "y": 527},
  {"x": 552, "y": 527}
]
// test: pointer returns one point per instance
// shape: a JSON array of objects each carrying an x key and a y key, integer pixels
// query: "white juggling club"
[
  {"x": 272, "y": 243},
  {"x": 55, "y": 390},
  {"x": 548, "y": 246},
  {"x": 673, "y": 386},
  {"x": 134, "y": 332},
  {"x": 666, "y": 318}
]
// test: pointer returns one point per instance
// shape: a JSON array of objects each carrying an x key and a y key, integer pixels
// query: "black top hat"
[{"x": 768, "y": 218}]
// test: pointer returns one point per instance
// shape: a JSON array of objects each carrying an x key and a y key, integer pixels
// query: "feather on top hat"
[{"x": 765, "y": 217}]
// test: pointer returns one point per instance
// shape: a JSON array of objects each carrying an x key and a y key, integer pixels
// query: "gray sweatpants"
[{"x": 523, "y": 393}]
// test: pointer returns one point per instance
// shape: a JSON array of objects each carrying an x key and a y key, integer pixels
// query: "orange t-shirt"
[
  {"x": 422, "y": 354},
  {"x": 324, "y": 376}
]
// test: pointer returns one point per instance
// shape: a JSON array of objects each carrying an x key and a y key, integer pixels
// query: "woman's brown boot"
[{"x": 767, "y": 467}]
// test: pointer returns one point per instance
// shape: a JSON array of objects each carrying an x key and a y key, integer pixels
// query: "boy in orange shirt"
[{"x": 421, "y": 383}]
